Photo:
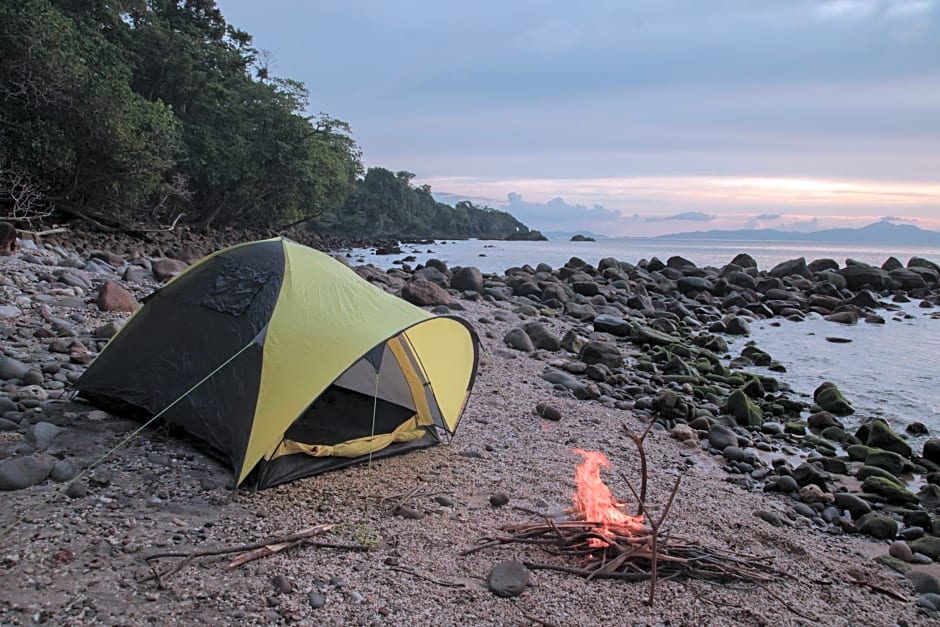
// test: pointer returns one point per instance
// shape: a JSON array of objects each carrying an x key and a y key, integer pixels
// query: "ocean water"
[{"x": 890, "y": 371}]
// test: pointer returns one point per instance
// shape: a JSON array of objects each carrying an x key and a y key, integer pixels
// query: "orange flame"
[{"x": 594, "y": 502}]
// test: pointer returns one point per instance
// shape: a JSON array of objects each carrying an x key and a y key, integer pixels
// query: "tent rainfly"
[{"x": 287, "y": 363}]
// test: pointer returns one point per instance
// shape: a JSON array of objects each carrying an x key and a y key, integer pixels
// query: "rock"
[
  {"x": 822, "y": 420},
  {"x": 21, "y": 472},
  {"x": 316, "y": 599},
  {"x": 12, "y": 368},
  {"x": 859, "y": 276},
  {"x": 615, "y": 325},
  {"x": 812, "y": 493},
  {"x": 738, "y": 454},
  {"x": 787, "y": 484},
  {"x": 519, "y": 340},
  {"x": 600, "y": 352},
  {"x": 893, "y": 492},
  {"x": 108, "y": 330},
  {"x": 548, "y": 412},
  {"x": 76, "y": 490},
  {"x": 810, "y": 473},
  {"x": 736, "y": 325},
  {"x": 282, "y": 584},
  {"x": 508, "y": 579},
  {"x": 684, "y": 433},
  {"x": 830, "y": 399},
  {"x": 541, "y": 337},
  {"x": 721, "y": 437},
  {"x": 929, "y": 496},
  {"x": 424, "y": 293},
  {"x": 856, "y": 506},
  {"x": 878, "y": 525},
  {"x": 499, "y": 499},
  {"x": 467, "y": 278},
  {"x": 33, "y": 377},
  {"x": 923, "y": 583},
  {"x": 688, "y": 284},
  {"x": 769, "y": 517},
  {"x": 789, "y": 268},
  {"x": 648, "y": 335},
  {"x": 9, "y": 311},
  {"x": 113, "y": 297},
  {"x": 886, "y": 460},
  {"x": 881, "y": 436},
  {"x": 745, "y": 411},
  {"x": 932, "y": 450},
  {"x": 928, "y": 545},
  {"x": 42, "y": 434},
  {"x": 164, "y": 269},
  {"x": 901, "y": 550},
  {"x": 408, "y": 513}
]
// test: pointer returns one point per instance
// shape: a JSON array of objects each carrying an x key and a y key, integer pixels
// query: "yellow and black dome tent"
[{"x": 287, "y": 363}]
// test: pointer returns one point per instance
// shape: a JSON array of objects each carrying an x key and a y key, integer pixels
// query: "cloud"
[
  {"x": 557, "y": 213},
  {"x": 768, "y": 217},
  {"x": 896, "y": 219},
  {"x": 802, "y": 226},
  {"x": 686, "y": 216}
]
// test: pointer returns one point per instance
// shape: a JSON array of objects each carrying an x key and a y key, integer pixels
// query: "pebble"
[
  {"x": 499, "y": 499},
  {"x": 508, "y": 579},
  {"x": 316, "y": 599}
]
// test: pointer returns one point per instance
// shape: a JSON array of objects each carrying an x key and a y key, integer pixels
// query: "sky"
[{"x": 622, "y": 117}]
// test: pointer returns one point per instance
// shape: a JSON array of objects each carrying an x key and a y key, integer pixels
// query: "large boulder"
[
  {"x": 424, "y": 293},
  {"x": 790, "y": 267},
  {"x": 518, "y": 339},
  {"x": 615, "y": 325},
  {"x": 932, "y": 450},
  {"x": 857, "y": 276},
  {"x": 889, "y": 490},
  {"x": 21, "y": 472},
  {"x": 164, "y": 269},
  {"x": 880, "y": 435},
  {"x": 878, "y": 525}
]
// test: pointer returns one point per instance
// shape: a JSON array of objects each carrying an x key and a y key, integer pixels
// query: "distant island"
[
  {"x": 571, "y": 235},
  {"x": 876, "y": 233},
  {"x": 577, "y": 237}
]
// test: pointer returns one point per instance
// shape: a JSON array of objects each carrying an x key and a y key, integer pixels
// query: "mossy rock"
[
  {"x": 745, "y": 411},
  {"x": 836, "y": 434},
  {"x": 930, "y": 496},
  {"x": 888, "y": 460},
  {"x": 928, "y": 545},
  {"x": 754, "y": 389},
  {"x": 864, "y": 472},
  {"x": 889, "y": 490},
  {"x": 777, "y": 367},
  {"x": 794, "y": 428},
  {"x": 881, "y": 436},
  {"x": 858, "y": 452},
  {"x": 878, "y": 525},
  {"x": 830, "y": 399}
]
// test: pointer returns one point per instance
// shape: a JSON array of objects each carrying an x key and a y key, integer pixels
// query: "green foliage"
[
  {"x": 136, "y": 109},
  {"x": 386, "y": 204}
]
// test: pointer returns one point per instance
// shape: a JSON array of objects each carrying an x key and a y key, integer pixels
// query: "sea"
[{"x": 890, "y": 370}]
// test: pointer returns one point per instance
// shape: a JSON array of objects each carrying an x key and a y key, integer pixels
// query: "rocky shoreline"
[{"x": 571, "y": 354}]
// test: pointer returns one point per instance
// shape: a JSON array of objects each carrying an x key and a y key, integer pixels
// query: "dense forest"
[{"x": 123, "y": 113}]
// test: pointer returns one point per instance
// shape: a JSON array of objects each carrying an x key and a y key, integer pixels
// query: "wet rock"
[
  {"x": 21, "y": 472},
  {"x": 878, "y": 525},
  {"x": 822, "y": 420},
  {"x": 893, "y": 492},
  {"x": 881, "y": 436},
  {"x": 721, "y": 437},
  {"x": 856, "y": 506},
  {"x": 932, "y": 450},
  {"x": 745, "y": 411},
  {"x": 508, "y": 579},
  {"x": 736, "y": 325},
  {"x": 901, "y": 550},
  {"x": 830, "y": 399},
  {"x": 811, "y": 473},
  {"x": 789, "y": 268},
  {"x": 928, "y": 545},
  {"x": 886, "y": 460},
  {"x": 923, "y": 583}
]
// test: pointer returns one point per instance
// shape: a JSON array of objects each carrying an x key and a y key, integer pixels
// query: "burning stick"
[{"x": 615, "y": 545}]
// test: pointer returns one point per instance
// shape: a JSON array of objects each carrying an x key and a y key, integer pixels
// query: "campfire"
[{"x": 606, "y": 541}]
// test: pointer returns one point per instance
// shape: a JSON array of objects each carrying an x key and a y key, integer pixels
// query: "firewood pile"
[{"x": 601, "y": 541}]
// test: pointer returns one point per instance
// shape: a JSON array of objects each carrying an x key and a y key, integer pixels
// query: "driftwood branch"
[{"x": 249, "y": 552}]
